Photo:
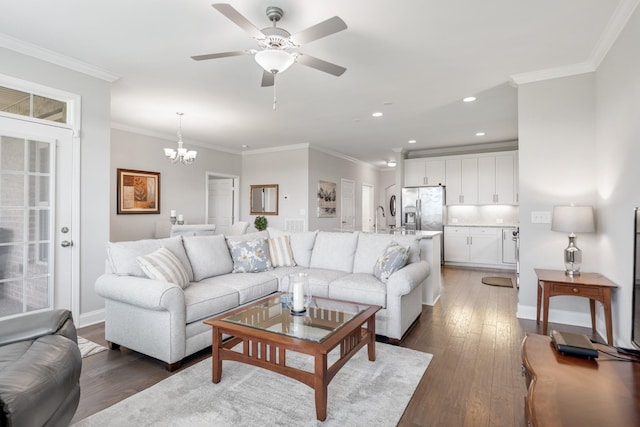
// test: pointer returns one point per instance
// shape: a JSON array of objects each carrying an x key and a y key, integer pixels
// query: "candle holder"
[
  {"x": 299, "y": 293},
  {"x": 173, "y": 220},
  {"x": 180, "y": 222}
]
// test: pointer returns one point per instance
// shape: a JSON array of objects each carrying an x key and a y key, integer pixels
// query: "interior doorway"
[
  {"x": 367, "y": 207},
  {"x": 222, "y": 203},
  {"x": 347, "y": 205}
]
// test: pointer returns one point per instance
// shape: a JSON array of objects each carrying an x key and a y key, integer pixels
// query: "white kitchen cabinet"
[
  {"x": 462, "y": 181},
  {"x": 419, "y": 172},
  {"x": 475, "y": 245},
  {"x": 508, "y": 246},
  {"x": 496, "y": 179}
]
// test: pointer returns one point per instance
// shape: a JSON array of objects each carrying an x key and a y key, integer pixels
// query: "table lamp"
[{"x": 573, "y": 219}]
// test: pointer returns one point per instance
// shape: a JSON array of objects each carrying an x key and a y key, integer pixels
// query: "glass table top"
[{"x": 319, "y": 321}]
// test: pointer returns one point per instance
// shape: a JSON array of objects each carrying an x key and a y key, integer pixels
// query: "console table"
[
  {"x": 594, "y": 286},
  {"x": 570, "y": 391}
]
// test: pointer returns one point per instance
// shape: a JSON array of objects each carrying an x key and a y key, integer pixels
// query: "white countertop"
[{"x": 483, "y": 225}]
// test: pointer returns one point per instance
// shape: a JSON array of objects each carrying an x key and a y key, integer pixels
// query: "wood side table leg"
[
  {"x": 545, "y": 313},
  {"x": 607, "y": 315},
  {"x": 371, "y": 345},
  {"x": 592, "y": 308},
  {"x": 216, "y": 361},
  {"x": 539, "y": 301},
  {"x": 320, "y": 386}
]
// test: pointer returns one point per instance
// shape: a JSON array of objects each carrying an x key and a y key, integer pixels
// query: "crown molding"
[
  {"x": 55, "y": 58},
  {"x": 276, "y": 149},
  {"x": 489, "y": 147},
  {"x": 171, "y": 138},
  {"x": 344, "y": 157},
  {"x": 609, "y": 35}
]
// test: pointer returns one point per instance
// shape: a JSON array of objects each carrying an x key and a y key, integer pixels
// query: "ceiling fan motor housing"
[{"x": 276, "y": 38}]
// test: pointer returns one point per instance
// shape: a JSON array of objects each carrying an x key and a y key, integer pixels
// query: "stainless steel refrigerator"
[{"x": 423, "y": 208}]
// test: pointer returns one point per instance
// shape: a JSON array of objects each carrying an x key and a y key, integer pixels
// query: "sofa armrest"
[
  {"x": 36, "y": 325},
  {"x": 407, "y": 278},
  {"x": 141, "y": 292}
]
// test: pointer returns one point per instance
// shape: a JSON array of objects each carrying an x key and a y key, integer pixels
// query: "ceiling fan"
[{"x": 276, "y": 43}]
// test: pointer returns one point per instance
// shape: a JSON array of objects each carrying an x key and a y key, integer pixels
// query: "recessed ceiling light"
[
  {"x": 412, "y": 141},
  {"x": 391, "y": 163},
  {"x": 469, "y": 99},
  {"x": 245, "y": 146},
  {"x": 479, "y": 133},
  {"x": 377, "y": 114}
]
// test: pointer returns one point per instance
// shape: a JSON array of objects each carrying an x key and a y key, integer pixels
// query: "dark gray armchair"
[{"x": 40, "y": 366}]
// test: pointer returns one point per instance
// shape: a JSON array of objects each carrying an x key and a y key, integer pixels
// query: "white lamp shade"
[
  {"x": 274, "y": 60},
  {"x": 573, "y": 219}
]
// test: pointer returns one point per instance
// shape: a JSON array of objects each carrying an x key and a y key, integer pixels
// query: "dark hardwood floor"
[{"x": 474, "y": 378}]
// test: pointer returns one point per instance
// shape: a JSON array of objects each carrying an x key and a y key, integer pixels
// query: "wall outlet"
[
  {"x": 499, "y": 221},
  {"x": 541, "y": 217}
]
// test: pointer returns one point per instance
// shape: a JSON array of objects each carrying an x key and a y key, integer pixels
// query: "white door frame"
[
  {"x": 367, "y": 211},
  {"x": 74, "y": 119},
  {"x": 236, "y": 193}
]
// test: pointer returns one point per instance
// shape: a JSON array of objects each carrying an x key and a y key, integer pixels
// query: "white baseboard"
[
  {"x": 563, "y": 316},
  {"x": 91, "y": 318}
]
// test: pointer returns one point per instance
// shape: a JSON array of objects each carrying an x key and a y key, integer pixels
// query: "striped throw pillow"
[
  {"x": 163, "y": 265},
  {"x": 280, "y": 252}
]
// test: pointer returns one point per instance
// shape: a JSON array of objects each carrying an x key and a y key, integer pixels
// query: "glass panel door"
[
  {"x": 35, "y": 260},
  {"x": 25, "y": 225}
]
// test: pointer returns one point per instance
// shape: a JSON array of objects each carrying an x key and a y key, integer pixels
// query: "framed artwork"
[
  {"x": 326, "y": 199},
  {"x": 138, "y": 192}
]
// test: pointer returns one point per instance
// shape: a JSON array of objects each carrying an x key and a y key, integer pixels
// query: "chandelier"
[{"x": 182, "y": 155}]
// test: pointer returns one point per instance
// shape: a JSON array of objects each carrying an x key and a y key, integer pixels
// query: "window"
[{"x": 32, "y": 105}]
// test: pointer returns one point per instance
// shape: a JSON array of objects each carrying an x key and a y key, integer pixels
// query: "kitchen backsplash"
[{"x": 482, "y": 215}]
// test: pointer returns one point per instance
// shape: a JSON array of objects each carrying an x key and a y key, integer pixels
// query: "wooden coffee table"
[{"x": 267, "y": 330}]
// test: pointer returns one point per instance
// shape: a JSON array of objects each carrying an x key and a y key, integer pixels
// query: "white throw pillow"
[
  {"x": 280, "y": 252},
  {"x": 163, "y": 265},
  {"x": 393, "y": 259}
]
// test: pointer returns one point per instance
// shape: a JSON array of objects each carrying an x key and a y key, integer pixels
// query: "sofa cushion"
[
  {"x": 209, "y": 256},
  {"x": 250, "y": 256},
  {"x": 319, "y": 279},
  {"x": 163, "y": 265},
  {"x": 371, "y": 246},
  {"x": 334, "y": 251},
  {"x": 280, "y": 252},
  {"x": 301, "y": 244},
  {"x": 360, "y": 287},
  {"x": 122, "y": 255},
  {"x": 393, "y": 259},
  {"x": 248, "y": 286},
  {"x": 204, "y": 300}
]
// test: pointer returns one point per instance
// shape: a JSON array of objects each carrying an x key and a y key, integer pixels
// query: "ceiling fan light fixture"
[{"x": 274, "y": 60}]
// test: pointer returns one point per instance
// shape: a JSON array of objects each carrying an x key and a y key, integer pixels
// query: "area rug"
[
  {"x": 88, "y": 348},
  {"x": 498, "y": 281},
  {"x": 363, "y": 393}
]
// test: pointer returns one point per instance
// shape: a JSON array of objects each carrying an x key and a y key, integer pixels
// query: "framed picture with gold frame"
[{"x": 138, "y": 192}]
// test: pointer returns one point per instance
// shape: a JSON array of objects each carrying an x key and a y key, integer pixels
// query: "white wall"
[
  {"x": 592, "y": 119},
  {"x": 618, "y": 154},
  {"x": 182, "y": 187},
  {"x": 94, "y": 159},
  {"x": 326, "y": 167},
  {"x": 285, "y": 167},
  {"x": 557, "y": 158}
]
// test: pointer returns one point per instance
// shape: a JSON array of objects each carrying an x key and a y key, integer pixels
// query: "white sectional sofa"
[{"x": 164, "y": 321}]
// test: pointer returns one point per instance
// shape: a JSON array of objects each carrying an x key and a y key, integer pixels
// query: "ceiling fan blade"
[
  {"x": 321, "y": 65},
  {"x": 235, "y": 17},
  {"x": 268, "y": 79},
  {"x": 322, "y": 29},
  {"x": 220, "y": 55}
]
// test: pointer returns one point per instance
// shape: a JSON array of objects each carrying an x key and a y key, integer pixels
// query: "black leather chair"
[{"x": 40, "y": 366}]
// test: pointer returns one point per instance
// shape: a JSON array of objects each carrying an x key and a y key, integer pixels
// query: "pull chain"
[{"x": 275, "y": 100}]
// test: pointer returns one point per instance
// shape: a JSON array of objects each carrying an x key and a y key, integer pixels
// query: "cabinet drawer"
[
  {"x": 582, "y": 291},
  {"x": 483, "y": 231},
  {"x": 462, "y": 231}
]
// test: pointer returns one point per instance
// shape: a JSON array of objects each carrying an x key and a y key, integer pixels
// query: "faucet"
[{"x": 375, "y": 214}]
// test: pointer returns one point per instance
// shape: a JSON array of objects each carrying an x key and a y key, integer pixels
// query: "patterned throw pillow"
[
  {"x": 280, "y": 252},
  {"x": 393, "y": 259},
  {"x": 250, "y": 256},
  {"x": 163, "y": 265}
]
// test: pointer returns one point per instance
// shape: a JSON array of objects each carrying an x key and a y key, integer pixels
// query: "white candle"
[
  {"x": 298, "y": 296},
  {"x": 180, "y": 217},
  {"x": 173, "y": 212}
]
